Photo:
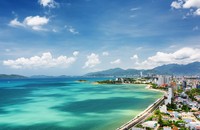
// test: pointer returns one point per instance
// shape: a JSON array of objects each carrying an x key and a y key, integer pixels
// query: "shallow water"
[{"x": 67, "y": 104}]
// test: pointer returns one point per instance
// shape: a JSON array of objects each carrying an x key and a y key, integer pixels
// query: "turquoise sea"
[{"x": 64, "y": 103}]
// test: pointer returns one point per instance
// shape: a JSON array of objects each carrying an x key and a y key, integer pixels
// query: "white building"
[
  {"x": 141, "y": 75},
  {"x": 162, "y": 79},
  {"x": 135, "y": 128},
  {"x": 163, "y": 108},
  {"x": 169, "y": 96},
  {"x": 167, "y": 128},
  {"x": 193, "y": 125},
  {"x": 150, "y": 124}
]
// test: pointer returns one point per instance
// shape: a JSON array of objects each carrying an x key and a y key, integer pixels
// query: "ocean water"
[{"x": 65, "y": 104}]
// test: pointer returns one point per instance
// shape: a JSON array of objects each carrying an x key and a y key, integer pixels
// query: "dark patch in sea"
[{"x": 103, "y": 105}]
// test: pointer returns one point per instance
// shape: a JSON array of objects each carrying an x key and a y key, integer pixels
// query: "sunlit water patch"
[{"x": 68, "y": 104}]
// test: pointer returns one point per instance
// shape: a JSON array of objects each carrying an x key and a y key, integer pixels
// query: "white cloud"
[
  {"x": 187, "y": 4},
  {"x": 75, "y": 53},
  {"x": 182, "y": 56},
  {"x": 48, "y": 3},
  {"x": 71, "y": 29},
  {"x": 7, "y": 50},
  {"x": 44, "y": 61},
  {"x": 176, "y": 4},
  {"x": 134, "y": 57},
  {"x": 195, "y": 28},
  {"x": 191, "y": 4},
  {"x": 16, "y": 23},
  {"x": 197, "y": 12},
  {"x": 92, "y": 61},
  {"x": 132, "y": 16},
  {"x": 33, "y": 22},
  {"x": 136, "y": 8},
  {"x": 105, "y": 53},
  {"x": 139, "y": 48},
  {"x": 117, "y": 61},
  {"x": 54, "y": 30}
]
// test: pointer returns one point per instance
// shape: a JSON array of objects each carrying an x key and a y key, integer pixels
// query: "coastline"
[
  {"x": 158, "y": 90},
  {"x": 135, "y": 121}
]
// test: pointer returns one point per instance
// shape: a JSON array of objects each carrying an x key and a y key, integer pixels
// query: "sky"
[{"x": 74, "y": 37}]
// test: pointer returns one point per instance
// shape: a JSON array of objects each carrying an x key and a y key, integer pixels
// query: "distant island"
[
  {"x": 82, "y": 80},
  {"x": 11, "y": 76}
]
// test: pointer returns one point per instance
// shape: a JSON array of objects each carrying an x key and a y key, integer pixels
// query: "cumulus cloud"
[
  {"x": 191, "y": 3},
  {"x": 16, "y": 23},
  {"x": 197, "y": 12},
  {"x": 75, "y": 53},
  {"x": 182, "y": 56},
  {"x": 33, "y": 22},
  {"x": 48, "y": 3},
  {"x": 176, "y": 4},
  {"x": 44, "y": 61},
  {"x": 92, "y": 61},
  {"x": 105, "y": 53},
  {"x": 117, "y": 61},
  {"x": 134, "y": 57},
  {"x": 187, "y": 4}
]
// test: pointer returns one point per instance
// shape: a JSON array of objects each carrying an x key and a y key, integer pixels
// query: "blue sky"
[{"x": 73, "y": 37}]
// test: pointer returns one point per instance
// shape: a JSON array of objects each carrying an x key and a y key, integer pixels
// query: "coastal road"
[{"x": 143, "y": 116}]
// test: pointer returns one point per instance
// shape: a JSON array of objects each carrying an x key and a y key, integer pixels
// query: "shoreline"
[
  {"x": 158, "y": 90},
  {"x": 134, "y": 121}
]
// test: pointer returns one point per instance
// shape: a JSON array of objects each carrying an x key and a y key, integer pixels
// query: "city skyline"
[{"x": 56, "y": 37}]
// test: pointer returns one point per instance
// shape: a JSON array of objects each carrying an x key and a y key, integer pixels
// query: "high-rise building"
[
  {"x": 170, "y": 95},
  {"x": 163, "y": 80},
  {"x": 160, "y": 80},
  {"x": 174, "y": 86},
  {"x": 141, "y": 75},
  {"x": 184, "y": 84}
]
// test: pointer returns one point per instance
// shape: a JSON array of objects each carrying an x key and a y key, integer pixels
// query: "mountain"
[
  {"x": 12, "y": 76},
  {"x": 110, "y": 72},
  {"x": 175, "y": 69},
  {"x": 46, "y": 76},
  {"x": 40, "y": 76},
  {"x": 114, "y": 72}
]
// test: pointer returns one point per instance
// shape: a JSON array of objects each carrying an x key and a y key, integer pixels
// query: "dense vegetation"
[{"x": 192, "y": 93}]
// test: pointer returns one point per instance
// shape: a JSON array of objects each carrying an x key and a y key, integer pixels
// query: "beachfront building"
[
  {"x": 169, "y": 96},
  {"x": 150, "y": 124},
  {"x": 163, "y": 109}
]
